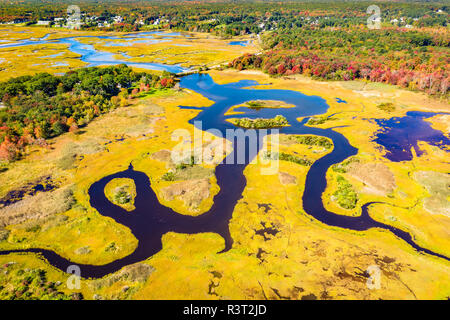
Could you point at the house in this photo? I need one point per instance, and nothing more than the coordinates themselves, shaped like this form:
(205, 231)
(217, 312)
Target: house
(118, 19)
(43, 23)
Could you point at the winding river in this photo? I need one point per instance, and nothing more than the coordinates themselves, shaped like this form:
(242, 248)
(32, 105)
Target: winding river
(151, 220)
(96, 58)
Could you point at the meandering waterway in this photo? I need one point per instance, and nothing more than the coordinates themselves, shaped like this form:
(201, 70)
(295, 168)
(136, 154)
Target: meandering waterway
(151, 220)
(96, 58)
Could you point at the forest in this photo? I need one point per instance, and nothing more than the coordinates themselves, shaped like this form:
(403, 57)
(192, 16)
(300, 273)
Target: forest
(325, 40)
(43, 106)
(413, 59)
(225, 17)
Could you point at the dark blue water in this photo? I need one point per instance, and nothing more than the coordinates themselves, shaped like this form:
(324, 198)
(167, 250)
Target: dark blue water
(151, 220)
(400, 134)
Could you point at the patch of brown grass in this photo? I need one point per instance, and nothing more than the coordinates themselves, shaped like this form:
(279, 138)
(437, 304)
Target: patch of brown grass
(39, 206)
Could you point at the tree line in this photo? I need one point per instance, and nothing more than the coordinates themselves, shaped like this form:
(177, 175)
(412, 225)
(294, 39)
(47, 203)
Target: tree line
(414, 59)
(42, 106)
(228, 17)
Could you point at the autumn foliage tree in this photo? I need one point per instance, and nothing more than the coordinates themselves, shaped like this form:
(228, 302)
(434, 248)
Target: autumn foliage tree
(416, 60)
(43, 106)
